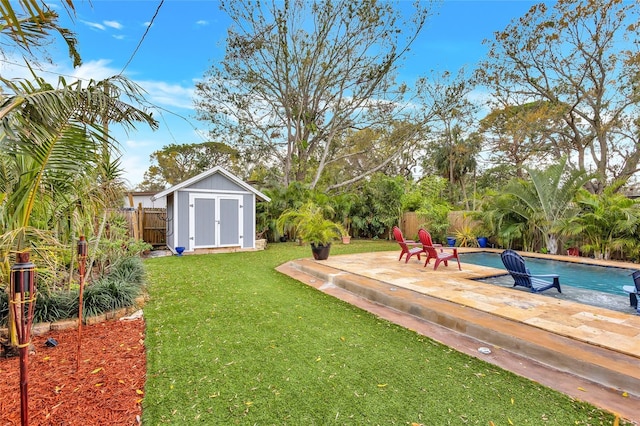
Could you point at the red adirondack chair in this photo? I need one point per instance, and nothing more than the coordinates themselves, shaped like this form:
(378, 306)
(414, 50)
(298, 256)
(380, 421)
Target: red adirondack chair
(404, 244)
(437, 251)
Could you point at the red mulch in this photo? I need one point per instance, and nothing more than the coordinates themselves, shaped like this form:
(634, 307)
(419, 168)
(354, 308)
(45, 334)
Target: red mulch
(106, 390)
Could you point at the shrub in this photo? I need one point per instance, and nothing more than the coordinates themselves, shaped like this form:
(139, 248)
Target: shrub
(108, 294)
(55, 306)
(117, 290)
(128, 269)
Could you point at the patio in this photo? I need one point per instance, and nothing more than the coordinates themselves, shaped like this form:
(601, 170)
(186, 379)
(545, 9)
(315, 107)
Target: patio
(587, 352)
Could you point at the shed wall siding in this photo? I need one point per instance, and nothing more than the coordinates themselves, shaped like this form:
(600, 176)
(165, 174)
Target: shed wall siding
(170, 221)
(183, 218)
(217, 182)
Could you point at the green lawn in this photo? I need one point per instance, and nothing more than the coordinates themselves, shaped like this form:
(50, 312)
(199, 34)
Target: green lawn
(231, 341)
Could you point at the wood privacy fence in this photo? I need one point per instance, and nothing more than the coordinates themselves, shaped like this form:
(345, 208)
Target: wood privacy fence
(411, 223)
(147, 224)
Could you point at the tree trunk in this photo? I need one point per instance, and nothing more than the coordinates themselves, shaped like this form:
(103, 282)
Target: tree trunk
(552, 244)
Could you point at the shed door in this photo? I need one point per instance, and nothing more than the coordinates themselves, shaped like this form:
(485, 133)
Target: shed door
(215, 220)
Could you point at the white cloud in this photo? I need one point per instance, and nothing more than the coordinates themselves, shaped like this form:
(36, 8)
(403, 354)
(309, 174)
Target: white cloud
(119, 37)
(94, 25)
(134, 167)
(202, 22)
(113, 24)
(169, 95)
(95, 70)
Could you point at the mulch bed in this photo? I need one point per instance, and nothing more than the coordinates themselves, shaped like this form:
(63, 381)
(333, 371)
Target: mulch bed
(107, 389)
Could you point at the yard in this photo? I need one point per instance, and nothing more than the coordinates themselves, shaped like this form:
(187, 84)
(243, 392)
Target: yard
(231, 341)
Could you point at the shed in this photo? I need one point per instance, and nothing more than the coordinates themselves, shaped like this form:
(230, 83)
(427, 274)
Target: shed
(212, 210)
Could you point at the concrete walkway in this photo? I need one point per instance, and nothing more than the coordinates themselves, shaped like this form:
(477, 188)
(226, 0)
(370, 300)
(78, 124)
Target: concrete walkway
(589, 353)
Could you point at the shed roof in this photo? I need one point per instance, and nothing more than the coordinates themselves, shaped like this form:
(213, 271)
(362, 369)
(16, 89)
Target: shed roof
(206, 174)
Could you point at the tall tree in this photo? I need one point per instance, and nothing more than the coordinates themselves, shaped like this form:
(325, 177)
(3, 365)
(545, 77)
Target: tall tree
(455, 158)
(451, 118)
(299, 74)
(581, 56)
(175, 163)
(518, 135)
(364, 152)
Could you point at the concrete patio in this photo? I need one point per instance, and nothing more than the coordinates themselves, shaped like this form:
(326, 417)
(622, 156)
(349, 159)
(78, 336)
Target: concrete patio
(589, 353)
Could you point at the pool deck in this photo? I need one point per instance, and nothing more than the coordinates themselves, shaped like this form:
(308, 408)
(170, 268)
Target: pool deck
(589, 353)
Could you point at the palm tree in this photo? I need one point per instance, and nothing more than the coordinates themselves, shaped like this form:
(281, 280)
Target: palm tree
(607, 221)
(29, 27)
(545, 199)
(50, 136)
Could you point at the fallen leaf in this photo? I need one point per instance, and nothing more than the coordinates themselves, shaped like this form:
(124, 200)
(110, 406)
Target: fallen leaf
(382, 385)
(581, 389)
(624, 394)
(512, 402)
(139, 392)
(99, 384)
(97, 370)
(510, 422)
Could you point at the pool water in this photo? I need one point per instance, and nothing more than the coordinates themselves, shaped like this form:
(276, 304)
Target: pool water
(590, 277)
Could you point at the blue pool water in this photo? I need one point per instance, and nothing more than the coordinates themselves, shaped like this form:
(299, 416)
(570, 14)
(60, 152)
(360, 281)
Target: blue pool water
(599, 278)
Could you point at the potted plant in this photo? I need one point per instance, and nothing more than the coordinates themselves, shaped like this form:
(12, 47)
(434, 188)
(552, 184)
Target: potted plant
(311, 226)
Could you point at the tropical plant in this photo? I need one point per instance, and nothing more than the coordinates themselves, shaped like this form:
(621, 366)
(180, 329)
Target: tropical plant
(282, 199)
(466, 234)
(545, 199)
(311, 225)
(606, 222)
(384, 197)
(343, 206)
(29, 26)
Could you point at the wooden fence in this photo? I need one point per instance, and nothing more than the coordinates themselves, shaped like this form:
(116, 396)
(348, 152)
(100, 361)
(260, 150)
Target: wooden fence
(148, 224)
(411, 223)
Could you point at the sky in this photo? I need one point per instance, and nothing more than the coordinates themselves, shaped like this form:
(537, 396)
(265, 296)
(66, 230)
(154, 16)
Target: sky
(188, 36)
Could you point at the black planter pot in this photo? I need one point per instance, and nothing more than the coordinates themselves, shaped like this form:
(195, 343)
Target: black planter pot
(320, 252)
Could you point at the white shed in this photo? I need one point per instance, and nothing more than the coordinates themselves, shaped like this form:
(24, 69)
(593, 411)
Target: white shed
(212, 210)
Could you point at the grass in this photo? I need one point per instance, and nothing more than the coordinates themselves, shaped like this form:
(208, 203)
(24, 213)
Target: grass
(231, 341)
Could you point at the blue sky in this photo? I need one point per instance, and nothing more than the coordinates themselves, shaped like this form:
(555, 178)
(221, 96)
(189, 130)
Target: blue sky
(188, 36)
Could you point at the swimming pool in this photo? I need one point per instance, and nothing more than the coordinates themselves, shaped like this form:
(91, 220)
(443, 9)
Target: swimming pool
(591, 277)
